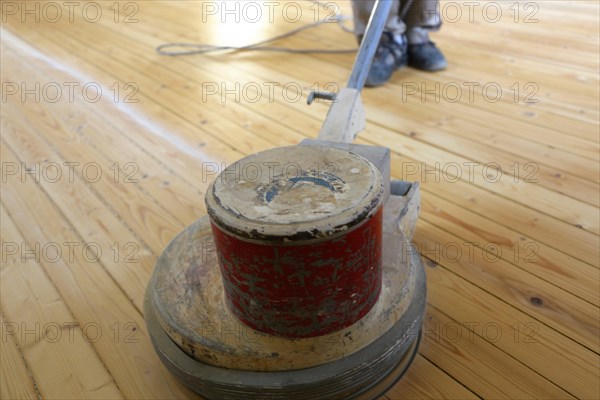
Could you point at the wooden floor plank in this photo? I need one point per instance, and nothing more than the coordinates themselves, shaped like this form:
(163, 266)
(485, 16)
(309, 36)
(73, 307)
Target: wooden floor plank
(137, 371)
(57, 349)
(532, 256)
(567, 238)
(16, 381)
(542, 301)
(417, 384)
(83, 208)
(170, 139)
(457, 348)
(570, 97)
(542, 50)
(570, 366)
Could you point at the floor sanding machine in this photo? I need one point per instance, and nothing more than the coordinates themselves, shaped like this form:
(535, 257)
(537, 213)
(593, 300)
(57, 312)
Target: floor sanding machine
(301, 282)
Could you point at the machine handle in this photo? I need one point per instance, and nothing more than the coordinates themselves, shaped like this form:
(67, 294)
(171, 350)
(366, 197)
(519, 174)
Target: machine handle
(369, 44)
(346, 116)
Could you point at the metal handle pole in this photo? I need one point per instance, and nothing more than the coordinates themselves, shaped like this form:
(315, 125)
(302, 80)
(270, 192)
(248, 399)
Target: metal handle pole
(369, 44)
(346, 115)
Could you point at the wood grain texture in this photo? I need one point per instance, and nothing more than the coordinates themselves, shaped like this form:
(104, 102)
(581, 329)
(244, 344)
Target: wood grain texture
(15, 378)
(57, 349)
(501, 376)
(498, 325)
(92, 295)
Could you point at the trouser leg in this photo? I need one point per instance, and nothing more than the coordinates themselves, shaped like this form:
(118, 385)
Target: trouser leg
(405, 40)
(422, 17)
(419, 18)
(361, 10)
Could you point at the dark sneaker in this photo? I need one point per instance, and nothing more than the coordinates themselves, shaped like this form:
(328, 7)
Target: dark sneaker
(392, 53)
(426, 57)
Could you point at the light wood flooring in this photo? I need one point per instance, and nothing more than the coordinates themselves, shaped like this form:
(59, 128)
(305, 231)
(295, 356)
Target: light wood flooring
(106, 149)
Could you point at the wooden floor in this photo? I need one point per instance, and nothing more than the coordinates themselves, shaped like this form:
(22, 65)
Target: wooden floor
(108, 147)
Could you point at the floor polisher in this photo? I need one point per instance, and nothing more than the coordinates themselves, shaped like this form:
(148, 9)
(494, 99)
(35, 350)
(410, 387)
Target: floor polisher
(301, 282)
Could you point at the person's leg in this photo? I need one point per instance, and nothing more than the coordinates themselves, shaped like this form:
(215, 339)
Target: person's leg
(422, 17)
(361, 10)
(392, 50)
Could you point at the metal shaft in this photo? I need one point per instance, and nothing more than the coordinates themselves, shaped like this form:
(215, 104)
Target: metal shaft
(346, 117)
(369, 44)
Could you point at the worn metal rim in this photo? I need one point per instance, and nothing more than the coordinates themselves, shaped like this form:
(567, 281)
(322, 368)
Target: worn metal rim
(358, 376)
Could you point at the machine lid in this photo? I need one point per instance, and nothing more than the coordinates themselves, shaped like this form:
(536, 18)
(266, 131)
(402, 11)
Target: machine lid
(295, 193)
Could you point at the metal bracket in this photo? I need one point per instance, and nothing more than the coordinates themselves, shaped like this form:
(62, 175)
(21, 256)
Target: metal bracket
(346, 118)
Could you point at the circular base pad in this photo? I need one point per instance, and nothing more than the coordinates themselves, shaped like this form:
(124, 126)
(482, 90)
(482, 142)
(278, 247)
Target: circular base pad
(188, 298)
(353, 378)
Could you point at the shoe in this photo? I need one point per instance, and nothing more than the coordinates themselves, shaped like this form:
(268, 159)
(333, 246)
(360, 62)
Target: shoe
(426, 57)
(391, 54)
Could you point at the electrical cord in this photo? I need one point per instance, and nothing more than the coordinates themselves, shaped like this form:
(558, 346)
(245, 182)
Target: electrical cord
(184, 49)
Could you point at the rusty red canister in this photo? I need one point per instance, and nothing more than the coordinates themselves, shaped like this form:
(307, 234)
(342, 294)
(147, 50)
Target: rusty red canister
(298, 234)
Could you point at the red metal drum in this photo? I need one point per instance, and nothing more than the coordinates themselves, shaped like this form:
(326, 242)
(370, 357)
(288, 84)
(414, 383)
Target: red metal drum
(298, 234)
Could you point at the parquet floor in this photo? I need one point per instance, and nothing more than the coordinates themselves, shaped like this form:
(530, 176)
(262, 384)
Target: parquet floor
(107, 149)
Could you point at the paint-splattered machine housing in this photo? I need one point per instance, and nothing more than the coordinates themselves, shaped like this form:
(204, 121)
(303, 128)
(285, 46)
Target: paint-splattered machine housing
(202, 339)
